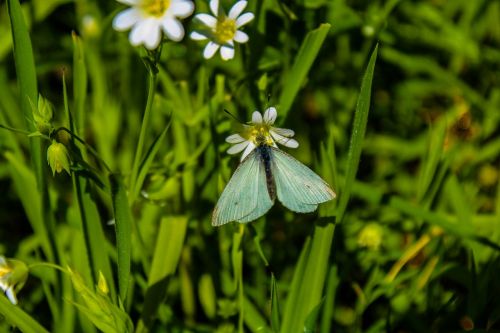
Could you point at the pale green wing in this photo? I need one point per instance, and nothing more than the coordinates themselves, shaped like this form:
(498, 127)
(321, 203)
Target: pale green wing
(298, 187)
(245, 197)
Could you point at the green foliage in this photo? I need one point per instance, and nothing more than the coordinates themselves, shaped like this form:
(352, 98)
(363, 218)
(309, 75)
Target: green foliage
(394, 103)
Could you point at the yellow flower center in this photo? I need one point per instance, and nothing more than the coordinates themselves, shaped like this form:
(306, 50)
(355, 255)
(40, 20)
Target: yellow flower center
(259, 135)
(155, 7)
(225, 30)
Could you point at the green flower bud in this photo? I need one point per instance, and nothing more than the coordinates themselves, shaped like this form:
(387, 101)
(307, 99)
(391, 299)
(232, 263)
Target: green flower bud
(42, 115)
(58, 157)
(13, 276)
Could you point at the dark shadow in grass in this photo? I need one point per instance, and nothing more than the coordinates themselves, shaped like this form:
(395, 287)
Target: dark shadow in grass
(324, 221)
(155, 295)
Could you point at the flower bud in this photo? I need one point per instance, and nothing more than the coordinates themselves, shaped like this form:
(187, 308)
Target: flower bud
(58, 157)
(42, 115)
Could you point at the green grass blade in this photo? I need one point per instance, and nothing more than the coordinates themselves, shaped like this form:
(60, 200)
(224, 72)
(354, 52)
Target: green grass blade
(165, 260)
(275, 307)
(292, 305)
(79, 83)
(25, 62)
(24, 183)
(358, 133)
(312, 318)
(148, 160)
(18, 318)
(332, 283)
(253, 318)
(123, 224)
(303, 61)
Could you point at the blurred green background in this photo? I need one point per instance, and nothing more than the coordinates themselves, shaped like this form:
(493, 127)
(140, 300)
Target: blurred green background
(417, 247)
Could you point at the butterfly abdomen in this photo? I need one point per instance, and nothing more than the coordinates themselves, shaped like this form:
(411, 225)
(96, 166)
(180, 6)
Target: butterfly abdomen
(265, 156)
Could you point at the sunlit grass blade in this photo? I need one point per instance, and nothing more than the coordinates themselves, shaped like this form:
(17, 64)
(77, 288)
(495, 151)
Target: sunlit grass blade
(253, 319)
(303, 61)
(358, 134)
(123, 224)
(312, 318)
(18, 318)
(25, 64)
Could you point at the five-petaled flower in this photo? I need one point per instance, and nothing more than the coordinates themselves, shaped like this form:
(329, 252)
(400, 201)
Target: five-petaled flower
(148, 18)
(261, 132)
(222, 30)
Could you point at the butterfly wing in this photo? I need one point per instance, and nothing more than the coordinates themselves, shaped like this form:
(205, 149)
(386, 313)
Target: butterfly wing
(245, 197)
(298, 187)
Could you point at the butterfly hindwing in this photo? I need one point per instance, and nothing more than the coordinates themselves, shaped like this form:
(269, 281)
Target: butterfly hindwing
(245, 197)
(298, 187)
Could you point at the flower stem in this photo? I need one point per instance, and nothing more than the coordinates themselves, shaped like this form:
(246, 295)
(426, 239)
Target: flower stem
(140, 143)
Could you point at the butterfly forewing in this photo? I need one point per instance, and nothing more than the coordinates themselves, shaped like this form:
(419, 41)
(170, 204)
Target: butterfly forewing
(245, 197)
(298, 187)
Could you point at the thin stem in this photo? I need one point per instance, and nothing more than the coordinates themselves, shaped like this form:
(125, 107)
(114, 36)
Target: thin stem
(89, 147)
(47, 264)
(140, 143)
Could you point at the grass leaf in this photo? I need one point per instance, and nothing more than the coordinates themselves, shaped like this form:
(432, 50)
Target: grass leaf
(123, 224)
(303, 61)
(358, 134)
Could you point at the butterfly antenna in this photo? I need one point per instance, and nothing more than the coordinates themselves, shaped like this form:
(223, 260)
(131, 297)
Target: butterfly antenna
(234, 117)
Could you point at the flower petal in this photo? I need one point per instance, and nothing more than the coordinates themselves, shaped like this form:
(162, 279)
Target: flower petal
(236, 10)
(284, 131)
(251, 146)
(182, 8)
(214, 7)
(287, 142)
(227, 52)
(238, 147)
(244, 19)
(235, 138)
(11, 295)
(195, 35)
(129, 2)
(146, 31)
(207, 20)
(240, 37)
(173, 29)
(256, 117)
(210, 50)
(270, 115)
(126, 19)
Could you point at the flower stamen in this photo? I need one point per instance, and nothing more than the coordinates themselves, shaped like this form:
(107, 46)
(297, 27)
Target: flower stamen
(155, 8)
(225, 30)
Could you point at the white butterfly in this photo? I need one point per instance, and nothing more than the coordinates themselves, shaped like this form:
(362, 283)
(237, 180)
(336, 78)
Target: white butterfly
(267, 173)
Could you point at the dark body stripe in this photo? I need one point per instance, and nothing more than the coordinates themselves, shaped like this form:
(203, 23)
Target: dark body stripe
(265, 156)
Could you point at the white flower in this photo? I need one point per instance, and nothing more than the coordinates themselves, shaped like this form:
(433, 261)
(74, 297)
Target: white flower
(222, 29)
(13, 275)
(148, 18)
(261, 132)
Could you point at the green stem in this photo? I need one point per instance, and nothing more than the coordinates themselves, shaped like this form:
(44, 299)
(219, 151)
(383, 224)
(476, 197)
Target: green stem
(140, 143)
(47, 264)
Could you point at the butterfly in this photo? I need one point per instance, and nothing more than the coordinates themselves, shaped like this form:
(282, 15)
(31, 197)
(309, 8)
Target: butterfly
(265, 174)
